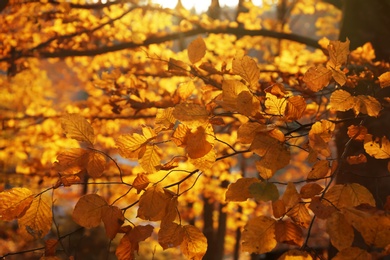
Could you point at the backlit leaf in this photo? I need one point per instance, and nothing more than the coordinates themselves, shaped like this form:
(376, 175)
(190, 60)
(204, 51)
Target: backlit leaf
(320, 209)
(153, 204)
(378, 148)
(295, 107)
(339, 77)
(320, 170)
(247, 104)
(37, 220)
(178, 67)
(300, 215)
(357, 132)
(51, 247)
(192, 115)
(199, 142)
(141, 182)
(164, 118)
(170, 235)
(130, 242)
(124, 250)
(310, 190)
(340, 231)
(113, 219)
(357, 159)
(96, 164)
(77, 127)
(367, 105)
(276, 158)
(247, 131)
(353, 253)
(316, 78)
(295, 254)
(288, 232)
(349, 195)
(196, 50)
(384, 79)
(290, 196)
(88, 210)
(264, 191)
(319, 136)
(14, 203)
(150, 159)
(239, 191)
(274, 105)
(278, 208)
(247, 68)
(258, 235)
(206, 162)
(194, 244)
(72, 161)
(341, 100)
(375, 231)
(338, 54)
(129, 145)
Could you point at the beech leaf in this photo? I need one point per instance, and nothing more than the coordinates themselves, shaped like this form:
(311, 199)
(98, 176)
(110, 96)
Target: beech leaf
(194, 244)
(349, 195)
(289, 233)
(378, 148)
(196, 50)
(113, 219)
(153, 204)
(170, 235)
(239, 191)
(247, 68)
(259, 235)
(88, 210)
(264, 191)
(316, 78)
(340, 231)
(78, 128)
(14, 203)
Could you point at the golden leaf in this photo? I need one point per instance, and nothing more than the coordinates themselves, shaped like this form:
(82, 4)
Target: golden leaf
(338, 54)
(378, 148)
(320, 170)
(141, 182)
(300, 215)
(170, 235)
(51, 247)
(72, 161)
(124, 250)
(339, 77)
(290, 196)
(239, 191)
(192, 115)
(295, 107)
(357, 159)
(165, 119)
(113, 219)
(384, 79)
(349, 195)
(340, 231)
(139, 233)
(206, 162)
(247, 103)
(129, 145)
(185, 89)
(310, 190)
(353, 253)
(14, 203)
(367, 105)
(96, 164)
(358, 133)
(199, 143)
(274, 105)
(37, 220)
(277, 90)
(153, 204)
(264, 191)
(247, 68)
(365, 53)
(278, 208)
(376, 231)
(194, 245)
(295, 254)
(247, 131)
(321, 210)
(77, 127)
(288, 232)
(259, 235)
(341, 100)
(316, 78)
(196, 50)
(319, 136)
(88, 210)
(149, 158)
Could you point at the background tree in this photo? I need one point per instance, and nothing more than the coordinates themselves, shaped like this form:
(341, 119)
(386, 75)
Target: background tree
(102, 107)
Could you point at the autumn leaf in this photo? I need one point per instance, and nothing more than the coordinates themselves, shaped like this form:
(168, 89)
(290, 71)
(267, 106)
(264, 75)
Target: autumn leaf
(310, 190)
(199, 142)
(357, 159)
(384, 80)
(239, 191)
(339, 77)
(300, 215)
(196, 50)
(295, 107)
(177, 67)
(258, 235)
(247, 131)
(378, 148)
(278, 208)
(341, 100)
(277, 90)
(295, 254)
(353, 253)
(113, 219)
(130, 241)
(194, 244)
(124, 249)
(149, 158)
(14, 203)
(319, 171)
(141, 182)
(130, 145)
(247, 68)
(349, 195)
(367, 105)
(340, 231)
(192, 115)
(274, 105)
(153, 204)
(290, 196)
(72, 161)
(319, 136)
(264, 191)
(96, 164)
(170, 235)
(51, 247)
(206, 162)
(316, 78)
(88, 210)
(77, 127)
(358, 132)
(288, 232)
(37, 220)
(338, 54)
(320, 209)
(165, 119)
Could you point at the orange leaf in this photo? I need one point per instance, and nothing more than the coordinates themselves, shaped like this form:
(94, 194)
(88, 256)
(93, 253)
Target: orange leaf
(247, 68)
(321, 210)
(239, 191)
(319, 136)
(338, 54)
(264, 191)
(295, 107)
(274, 105)
(247, 131)
(357, 132)
(367, 105)
(378, 148)
(278, 208)
(353, 253)
(51, 247)
(170, 235)
(88, 210)
(198, 142)
(296, 254)
(72, 161)
(196, 50)
(141, 182)
(113, 219)
(206, 162)
(349, 195)
(78, 128)
(130, 241)
(310, 190)
(277, 90)
(124, 250)
(194, 245)
(341, 100)
(300, 215)
(289, 233)
(153, 204)
(320, 170)
(384, 79)
(259, 235)
(178, 67)
(149, 158)
(164, 118)
(14, 203)
(96, 164)
(340, 231)
(290, 196)
(358, 159)
(192, 115)
(130, 145)
(316, 78)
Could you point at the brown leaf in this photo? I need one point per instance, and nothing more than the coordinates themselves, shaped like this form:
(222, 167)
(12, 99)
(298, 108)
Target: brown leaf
(51, 247)
(288, 232)
(247, 131)
(277, 90)
(239, 191)
(320, 170)
(14, 203)
(357, 132)
(77, 127)
(310, 190)
(170, 235)
(278, 208)
(341, 100)
(357, 159)
(300, 215)
(247, 68)
(316, 78)
(349, 195)
(96, 164)
(113, 219)
(198, 142)
(320, 135)
(338, 54)
(178, 67)
(295, 107)
(194, 244)
(353, 253)
(340, 231)
(153, 204)
(290, 196)
(321, 210)
(141, 182)
(259, 235)
(196, 50)
(72, 161)
(124, 250)
(88, 210)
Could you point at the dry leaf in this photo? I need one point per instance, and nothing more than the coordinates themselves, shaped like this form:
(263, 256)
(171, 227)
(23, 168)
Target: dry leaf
(141, 182)
(239, 191)
(247, 68)
(316, 78)
(14, 203)
(88, 210)
(194, 244)
(259, 235)
(196, 50)
(310, 190)
(340, 232)
(77, 127)
(349, 195)
(384, 79)
(289, 233)
(113, 219)
(170, 235)
(378, 148)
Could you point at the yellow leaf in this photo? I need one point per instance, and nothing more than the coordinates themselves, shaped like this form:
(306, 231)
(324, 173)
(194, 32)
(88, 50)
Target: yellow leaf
(200, 142)
(72, 161)
(165, 119)
(310, 190)
(149, 158)
(340, 231)
(129, 145)
(367, 105)
(316, 78)
(247, 104)
(300, 215)
(295, 107)
(153, 204)
(192, 115)
(88, 210)
(341, 100)
(339, 77)
(247, 68)
(37, 220)
(259, 235)
(170, 235)
(338, 54)
(239, 191)
(77, 127)
(349, 195)
(384, 79)
(206, 162)
(378, 148)
(365, 53)
(113, 219)
(295, 254)
(177, 67)
(274, 105)
(196, 50)
(141, 182)
(320, 170)
(194, 245)
(247, 131)
(185, 90)
(96, 164)
(14, 203)
(277, 90)
(358, 133)
(353, 253)
(319, 136)
(289, 233)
